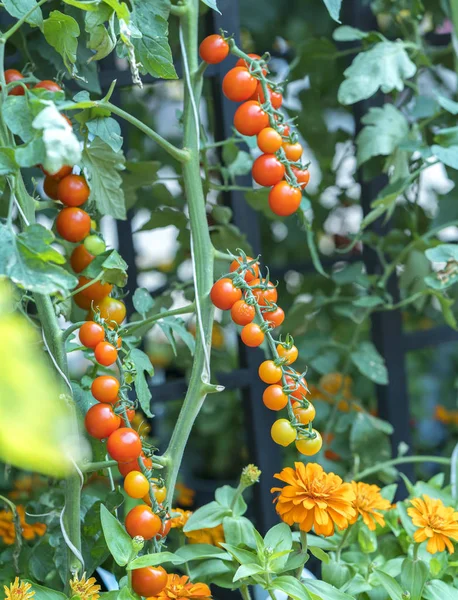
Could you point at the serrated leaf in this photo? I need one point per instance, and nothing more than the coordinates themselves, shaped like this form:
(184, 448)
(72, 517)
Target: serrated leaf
(333, 7)
(165, 216)
(61, 32)
(384, 128)
(118, 540)
(385, 66)
(104, 166)
(174, 325)
(370, 363)
(19, 8)
(449, 156)
(142, 365)
(142, 300)
(111, 264)
(18, 116)
(108, 130)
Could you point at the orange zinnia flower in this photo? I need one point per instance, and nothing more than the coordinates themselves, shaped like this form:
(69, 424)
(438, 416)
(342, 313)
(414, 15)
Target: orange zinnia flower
(179, 521)
(86, 589)
(184, 495)
(18, 590)
(213, 536)
(437, 523)
(7, 528)
(368, 503)
(314, 498)
(177, 587)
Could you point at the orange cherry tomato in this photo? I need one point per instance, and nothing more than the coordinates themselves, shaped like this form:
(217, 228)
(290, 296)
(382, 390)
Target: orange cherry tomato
(251, 273)
(213, 49)
(73, 224)
(149, 581)
(276, 98)
(14, 75)
(264, 295)
(243, 63)
(62, 172)
(125, 467)
(301, 387)
(274, 397)
(111, 310)
(242, 313)
(105, 354)
(269, 140)
(136, 485)
(290, 354)
(143, 522)
(293, 151)
(239, 84)
(160, 493)
(166, 527)
(105, 388)
(91, 334)
(96, 291)
(80, 258)
(49, 85)
(302, 176)
(269, 372)
(224, 294)
(252, 335)
(101, 421)
(124, 445)
(50, 187)
(82, 301)
(274, 317)
(73, 190)
(284, 199)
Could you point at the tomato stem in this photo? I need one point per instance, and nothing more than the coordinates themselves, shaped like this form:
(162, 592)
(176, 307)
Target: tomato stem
(134, 325)
(399, 461)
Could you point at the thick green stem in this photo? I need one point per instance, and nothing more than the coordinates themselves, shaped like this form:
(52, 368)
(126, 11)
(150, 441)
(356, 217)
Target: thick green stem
(399, 461)
(202, 259)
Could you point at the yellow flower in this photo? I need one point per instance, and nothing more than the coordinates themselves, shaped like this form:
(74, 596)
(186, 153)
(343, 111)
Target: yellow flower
(86, 589)
(437, 523)
(178, 522)
(314, 498)
(368, 503)
(177, 587)
(185, 495)
(213, 536)
(7, 528)
(19, 590)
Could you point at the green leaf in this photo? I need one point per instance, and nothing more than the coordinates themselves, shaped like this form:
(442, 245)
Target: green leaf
(142, 365)
(447, 137)
(335, 573)
(369, 439)
(384, 128)
(240, 554)
(238, 530)
(390, 584)
(291, 587)
(142, 300)
(101, 40)
(111, 264)
(17, 114)
(319, 554)
(19, 8)
(314, 251)
(370, 363)
(212, 5)
(448, 105)
(449, 156)
(385, 66)
(108, 130)
(345, 33)
(103, 166)
(201, 552)
(368, 301)
(247, 571)
(225, 495)
(367, 539)
(61, 32)
(118, 540)
(414, 574)
(82, 4)
(126, 594)
(7, 161)
(44, 593)
(279, 538)
(207, 516)
(325, 590)
(165, 216)
(241, 165)
(176, 325)
(334, 7)
(316, 541)
(153, 49)
(152, 560)
(439, 590)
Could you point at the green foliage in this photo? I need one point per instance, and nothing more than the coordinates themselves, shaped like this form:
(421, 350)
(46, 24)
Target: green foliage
(61, 32)
(21, 8)
(118, 540)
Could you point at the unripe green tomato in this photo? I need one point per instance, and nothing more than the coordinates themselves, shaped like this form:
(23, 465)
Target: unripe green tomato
(94, 244)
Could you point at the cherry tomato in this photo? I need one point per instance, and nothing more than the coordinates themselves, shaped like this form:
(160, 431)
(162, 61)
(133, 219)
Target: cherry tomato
(285, 130)
(14, 75)
(269, 140)
(224, 294)
(50, 187)
(165, 529)
(242, 313)
(73, 224)
(94, 244)
(252, 335)
(80, 258)
(274, 317)
(276, 99)
(142, 521)
(49, 85)
(290, 354)
(136, 485)
(213, 49)
(91, 334)
(263, 296)
(130, 412)
(304, 415)
(274, 397)
(132, 465)
(302, 176)
(73, 190)
(160, 493)
(239, 84)
(243, 63)
(105, 388)
(267, 170)
(284, 199)
(251, 273)
(96, 291)
(250, 118)
(124, 445)
(101, 421)
(309, 446)
(112, 310)
(269, 372)
(105, 354)
(149, 581)
(282, 432)
(60, 174)
(301, 387)
(82, 301)
(293, 151)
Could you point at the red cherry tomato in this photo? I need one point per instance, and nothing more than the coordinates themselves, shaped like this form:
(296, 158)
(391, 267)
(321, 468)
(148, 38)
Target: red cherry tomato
(82, 301)
(242, 313)
(269, 140)
(96, 291)
(252, 335)
(267, 170)
(73, 190)
(165, 529)
(213, 49)
(49, 85)
(80, 258)
(124, 445)
(251, 273)
(302, 176)
(105, 354)
(73, 224)
(274, 317)
(132, 465)
(60, 174)
(224, 294)
(301, 387)
(243, 63)
(149, 581)
(239, 84)
(250, 118)
(276, 99)
(101, 421)
(284, 199)
(142, 521)
(91, 334)
(14, 75)
(105, 388)
(50, 187)
(264, 295)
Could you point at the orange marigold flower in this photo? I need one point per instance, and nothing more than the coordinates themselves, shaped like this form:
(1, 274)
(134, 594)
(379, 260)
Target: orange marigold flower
(313, 498)
(437, 523)
(179, 587)
(18, 590)
(180, 520)
(185, 495)
(86, 589)
(368, 503)
(7, 527)
(213, 536)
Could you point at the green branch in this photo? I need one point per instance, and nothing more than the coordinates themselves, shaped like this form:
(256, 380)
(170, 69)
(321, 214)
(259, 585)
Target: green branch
(399, 461)
(135, 325)
(21, 22)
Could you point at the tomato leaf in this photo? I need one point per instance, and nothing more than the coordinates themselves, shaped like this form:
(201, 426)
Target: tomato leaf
(7, 161)
(370, 363)
(101, 40)
(17, 114)
(103, 166)
(142, 300)
(142, 365)
(19, 8)
(61, 32)
(152, 48)
(449, 156)
(108, 130)
(313, 249)
(384, 128)
(174, 325)
(333, 7)
(111, 264)
(118, 540)
(212, 5)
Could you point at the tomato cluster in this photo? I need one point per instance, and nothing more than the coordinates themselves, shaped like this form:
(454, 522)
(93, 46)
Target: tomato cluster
(252, 298)
(279, 166)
